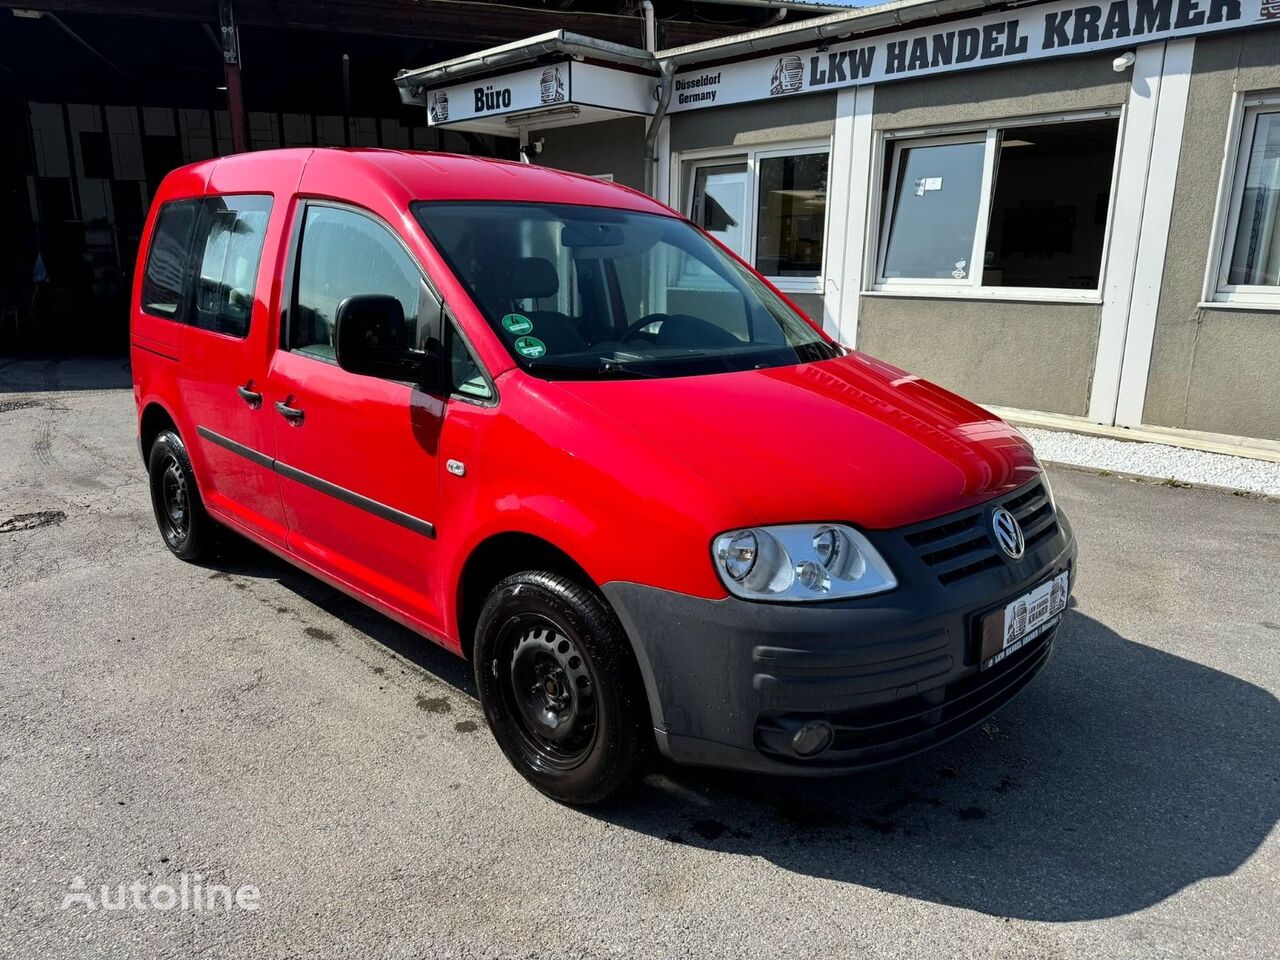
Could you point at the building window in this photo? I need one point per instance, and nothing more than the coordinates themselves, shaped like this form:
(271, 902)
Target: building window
(770, 208)
(1249, 261)
(1011, 208)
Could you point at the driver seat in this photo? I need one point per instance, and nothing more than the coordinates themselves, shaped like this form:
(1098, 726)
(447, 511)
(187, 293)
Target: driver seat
(535, 278)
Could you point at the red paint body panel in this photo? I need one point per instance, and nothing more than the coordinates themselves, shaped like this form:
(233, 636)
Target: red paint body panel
(632, 479)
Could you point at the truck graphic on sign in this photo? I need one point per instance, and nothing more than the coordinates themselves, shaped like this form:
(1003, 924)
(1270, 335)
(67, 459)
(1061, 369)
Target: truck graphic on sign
(788, 76)
(552, 87)
(438, 109)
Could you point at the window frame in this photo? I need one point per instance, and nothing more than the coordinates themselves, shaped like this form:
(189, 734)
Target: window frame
(449, 325)
(751, 156)
(972, 287)
(1241, 128)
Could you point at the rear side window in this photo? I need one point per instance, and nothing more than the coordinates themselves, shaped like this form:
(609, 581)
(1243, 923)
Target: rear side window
(203, 265)
(232, 230)
(347, 254)
(164, 284)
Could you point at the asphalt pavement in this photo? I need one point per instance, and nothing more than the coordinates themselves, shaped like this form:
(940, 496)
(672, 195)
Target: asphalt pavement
(241, 724)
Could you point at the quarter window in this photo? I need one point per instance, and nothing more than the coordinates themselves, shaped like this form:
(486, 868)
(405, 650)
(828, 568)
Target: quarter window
(163, 284)
(770, 208)
(1249, 267)
(203, 265)
(346, 254)
(1015, 206)
(465, 376)
(233, 229)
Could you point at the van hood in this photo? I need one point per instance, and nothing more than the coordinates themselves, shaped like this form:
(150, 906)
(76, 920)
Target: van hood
(851, 439)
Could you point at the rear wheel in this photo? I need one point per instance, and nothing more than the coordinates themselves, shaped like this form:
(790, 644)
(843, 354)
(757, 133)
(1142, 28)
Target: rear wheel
(187, 529)
(560, 687)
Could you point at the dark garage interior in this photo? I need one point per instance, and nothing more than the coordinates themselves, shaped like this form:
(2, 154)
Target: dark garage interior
(99, 100)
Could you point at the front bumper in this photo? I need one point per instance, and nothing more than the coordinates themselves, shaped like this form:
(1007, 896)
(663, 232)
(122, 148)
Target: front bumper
(731, 682)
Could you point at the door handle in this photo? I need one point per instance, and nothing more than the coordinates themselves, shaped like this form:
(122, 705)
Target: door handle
(292, 414)
(251, 397)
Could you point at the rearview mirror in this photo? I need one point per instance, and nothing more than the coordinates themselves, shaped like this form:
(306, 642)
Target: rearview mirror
(369, 339)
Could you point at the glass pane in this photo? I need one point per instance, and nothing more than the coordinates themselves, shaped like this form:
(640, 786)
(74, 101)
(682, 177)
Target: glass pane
(233, 230)
(167, 260)
(1049, 209)
(792, 215)
(635, 314)
(346, 254)
(935, 211)
(465, 375)
(1255, 258)
(720, 204)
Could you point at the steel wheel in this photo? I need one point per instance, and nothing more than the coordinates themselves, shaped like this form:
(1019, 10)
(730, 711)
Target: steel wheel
(550, 690)
(173, 493)
(187, 529)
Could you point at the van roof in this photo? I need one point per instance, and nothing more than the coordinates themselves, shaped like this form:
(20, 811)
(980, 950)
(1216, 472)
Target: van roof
(409, 175)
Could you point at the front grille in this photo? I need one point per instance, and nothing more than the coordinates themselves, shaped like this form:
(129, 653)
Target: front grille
(960, 546)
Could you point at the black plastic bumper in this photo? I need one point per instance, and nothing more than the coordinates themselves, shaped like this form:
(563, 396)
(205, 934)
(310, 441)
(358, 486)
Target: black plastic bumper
(730, 682)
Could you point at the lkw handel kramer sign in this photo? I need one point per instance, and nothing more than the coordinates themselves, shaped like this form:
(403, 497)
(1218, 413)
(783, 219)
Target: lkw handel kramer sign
(1005, 37)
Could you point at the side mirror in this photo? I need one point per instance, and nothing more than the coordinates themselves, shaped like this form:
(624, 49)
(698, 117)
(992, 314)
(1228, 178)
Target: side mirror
(369, 340)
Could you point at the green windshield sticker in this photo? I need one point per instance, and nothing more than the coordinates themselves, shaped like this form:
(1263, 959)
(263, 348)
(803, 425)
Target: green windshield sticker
(531, 347)
(517, 323)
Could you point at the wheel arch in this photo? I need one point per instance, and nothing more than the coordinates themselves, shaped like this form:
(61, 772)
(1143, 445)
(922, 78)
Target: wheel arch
(500, 555)
(155, 417)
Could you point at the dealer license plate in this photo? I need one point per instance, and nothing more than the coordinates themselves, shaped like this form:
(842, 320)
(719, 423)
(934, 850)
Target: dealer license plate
(1005, 632)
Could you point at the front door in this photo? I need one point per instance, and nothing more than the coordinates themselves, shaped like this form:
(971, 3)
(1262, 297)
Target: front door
(228, 339)
(357, 455)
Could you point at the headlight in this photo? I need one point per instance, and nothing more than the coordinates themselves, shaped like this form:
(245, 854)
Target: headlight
(1048, 489)
(802, 561)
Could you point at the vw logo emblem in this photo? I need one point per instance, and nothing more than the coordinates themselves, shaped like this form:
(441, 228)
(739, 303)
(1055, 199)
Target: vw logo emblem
(1007, 532)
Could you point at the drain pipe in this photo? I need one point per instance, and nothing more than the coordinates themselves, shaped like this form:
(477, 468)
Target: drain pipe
(650, 26)
(667, 70)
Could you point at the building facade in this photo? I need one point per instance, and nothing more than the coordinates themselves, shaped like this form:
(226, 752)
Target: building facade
(1069, 212)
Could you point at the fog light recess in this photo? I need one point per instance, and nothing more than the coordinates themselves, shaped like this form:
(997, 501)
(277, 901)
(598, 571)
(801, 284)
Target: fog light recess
(811, 739)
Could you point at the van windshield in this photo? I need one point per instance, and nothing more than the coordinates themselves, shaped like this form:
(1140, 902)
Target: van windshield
(598, 293)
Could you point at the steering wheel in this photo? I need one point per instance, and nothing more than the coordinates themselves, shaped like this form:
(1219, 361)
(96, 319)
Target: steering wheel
(635, 328)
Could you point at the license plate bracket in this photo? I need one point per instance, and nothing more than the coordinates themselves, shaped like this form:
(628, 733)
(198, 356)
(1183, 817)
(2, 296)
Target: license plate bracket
(1006, 630)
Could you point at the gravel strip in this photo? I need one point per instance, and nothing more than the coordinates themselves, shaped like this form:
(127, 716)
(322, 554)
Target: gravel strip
(1156, 460)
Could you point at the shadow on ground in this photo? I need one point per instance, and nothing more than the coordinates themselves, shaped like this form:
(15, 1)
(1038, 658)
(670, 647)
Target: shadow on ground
(1121, 776)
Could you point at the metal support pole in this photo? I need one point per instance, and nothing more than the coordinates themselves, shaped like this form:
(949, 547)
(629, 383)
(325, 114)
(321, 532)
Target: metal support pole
(346, 99)
(231, 70)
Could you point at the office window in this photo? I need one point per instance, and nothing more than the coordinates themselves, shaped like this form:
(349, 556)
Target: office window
(162, 286)
(931, 229)
(232, 230)
(1008, 207)
(791, 215)
(346, 254)
(767, 206)
(720, 204)
(1249, 261)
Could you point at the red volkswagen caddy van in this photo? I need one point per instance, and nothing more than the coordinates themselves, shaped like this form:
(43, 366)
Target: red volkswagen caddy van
(551, 425)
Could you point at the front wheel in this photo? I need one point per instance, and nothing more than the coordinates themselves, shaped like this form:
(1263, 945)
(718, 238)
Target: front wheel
(560, 687)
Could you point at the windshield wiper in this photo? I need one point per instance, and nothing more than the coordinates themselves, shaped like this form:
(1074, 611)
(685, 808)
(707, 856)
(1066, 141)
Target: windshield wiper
(603, 368)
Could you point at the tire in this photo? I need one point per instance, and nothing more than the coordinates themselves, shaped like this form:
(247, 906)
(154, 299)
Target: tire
(188, 531)
(560, 688)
